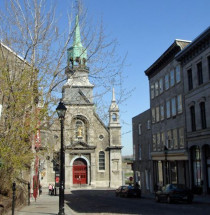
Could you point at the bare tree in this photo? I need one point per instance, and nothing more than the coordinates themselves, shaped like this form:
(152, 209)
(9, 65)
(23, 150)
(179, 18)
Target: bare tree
(31, 28)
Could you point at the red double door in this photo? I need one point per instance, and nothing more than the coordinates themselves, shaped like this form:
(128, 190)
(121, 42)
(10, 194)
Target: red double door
(79, 171)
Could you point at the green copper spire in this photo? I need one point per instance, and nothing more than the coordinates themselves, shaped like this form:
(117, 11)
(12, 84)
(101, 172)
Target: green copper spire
(77, 53)
(77, 38)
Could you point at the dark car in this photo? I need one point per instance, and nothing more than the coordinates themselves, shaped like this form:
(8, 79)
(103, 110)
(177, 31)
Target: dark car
(174, 192)
(128, 191)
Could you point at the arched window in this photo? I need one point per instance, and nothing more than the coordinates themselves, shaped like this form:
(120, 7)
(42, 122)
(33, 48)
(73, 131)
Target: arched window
(114, 117)
(101, 160)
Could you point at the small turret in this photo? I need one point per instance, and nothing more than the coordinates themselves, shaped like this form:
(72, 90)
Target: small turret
(77, 53)
(114, 112)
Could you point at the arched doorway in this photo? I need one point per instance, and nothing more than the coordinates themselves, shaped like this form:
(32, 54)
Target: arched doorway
(80, 171)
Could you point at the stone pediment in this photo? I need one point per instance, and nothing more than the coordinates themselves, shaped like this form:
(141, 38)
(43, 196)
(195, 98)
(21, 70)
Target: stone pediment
(80, 145)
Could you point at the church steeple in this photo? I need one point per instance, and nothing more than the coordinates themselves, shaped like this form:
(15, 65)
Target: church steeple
(114, 112)
(77, 53)
(113, 107)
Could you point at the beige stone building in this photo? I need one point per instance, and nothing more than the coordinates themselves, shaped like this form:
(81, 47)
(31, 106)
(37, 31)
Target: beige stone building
(92, 149)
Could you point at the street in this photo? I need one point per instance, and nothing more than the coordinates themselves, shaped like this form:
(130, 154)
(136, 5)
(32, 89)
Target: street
(105, 201)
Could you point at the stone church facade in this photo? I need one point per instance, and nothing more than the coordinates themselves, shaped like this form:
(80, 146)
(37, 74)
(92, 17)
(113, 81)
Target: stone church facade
(92, 150)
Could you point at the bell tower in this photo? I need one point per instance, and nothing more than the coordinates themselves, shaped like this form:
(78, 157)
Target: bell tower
(115, 143)
(114, 121)
(77, 90)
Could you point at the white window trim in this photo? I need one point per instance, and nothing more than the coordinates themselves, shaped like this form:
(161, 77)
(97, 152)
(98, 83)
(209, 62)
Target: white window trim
(161, 86)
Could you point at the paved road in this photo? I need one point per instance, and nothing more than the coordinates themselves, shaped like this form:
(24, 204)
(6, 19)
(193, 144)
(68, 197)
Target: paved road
(81, 202)
(105, 202)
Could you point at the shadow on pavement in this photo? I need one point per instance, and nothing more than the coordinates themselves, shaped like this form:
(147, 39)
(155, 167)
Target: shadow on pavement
(96, 201)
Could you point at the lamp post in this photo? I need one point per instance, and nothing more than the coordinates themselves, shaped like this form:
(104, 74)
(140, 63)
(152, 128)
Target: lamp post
(61, 110)
(166, 167)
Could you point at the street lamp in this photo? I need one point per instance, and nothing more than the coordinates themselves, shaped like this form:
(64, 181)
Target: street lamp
(166, 167)
(61, 110)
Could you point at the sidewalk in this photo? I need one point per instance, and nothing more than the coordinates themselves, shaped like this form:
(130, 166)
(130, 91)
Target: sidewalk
(44, 205)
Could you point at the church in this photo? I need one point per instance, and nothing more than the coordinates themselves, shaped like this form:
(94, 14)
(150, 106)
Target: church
(92, 149)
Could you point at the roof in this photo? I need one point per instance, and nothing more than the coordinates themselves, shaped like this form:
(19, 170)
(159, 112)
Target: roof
(13, 52)
(199, 40)
(167, 56)
(144, 113)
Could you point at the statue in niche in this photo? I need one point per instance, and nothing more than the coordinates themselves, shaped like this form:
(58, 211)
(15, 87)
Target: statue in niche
(79, 131)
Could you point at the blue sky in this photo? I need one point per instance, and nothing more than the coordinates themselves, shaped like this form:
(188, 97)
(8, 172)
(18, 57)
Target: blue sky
(145, 29)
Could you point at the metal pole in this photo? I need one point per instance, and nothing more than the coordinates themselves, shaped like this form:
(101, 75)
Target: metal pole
(61, 188)
(13, 197)
(29, 188)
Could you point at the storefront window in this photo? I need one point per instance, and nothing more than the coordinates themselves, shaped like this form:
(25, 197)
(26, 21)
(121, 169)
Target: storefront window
(196, 156)
(173, 170)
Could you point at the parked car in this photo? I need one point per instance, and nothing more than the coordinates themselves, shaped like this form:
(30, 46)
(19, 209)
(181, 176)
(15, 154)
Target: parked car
(174, 192)
(128, 191)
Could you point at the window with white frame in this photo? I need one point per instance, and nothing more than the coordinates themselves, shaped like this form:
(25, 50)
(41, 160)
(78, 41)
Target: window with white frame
(175, 141)
(139, 152)
(173, 106)
(157, 114)
(153, 115)
(181, 137)
(139, 129)
(179, 103)
(178, 75)
(161, 85)
(168, 109)
(152, 91)
(172, 82)
(101, 160)
(169, 139)
(166, 81)
(162, 112)
(156, 89)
